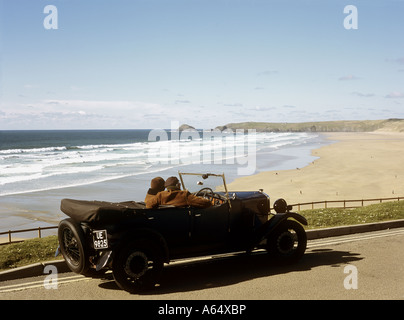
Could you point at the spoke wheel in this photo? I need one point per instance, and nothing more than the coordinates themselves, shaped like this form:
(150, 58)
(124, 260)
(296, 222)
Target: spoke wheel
(73, 246)
(138, 266)
(288, 242)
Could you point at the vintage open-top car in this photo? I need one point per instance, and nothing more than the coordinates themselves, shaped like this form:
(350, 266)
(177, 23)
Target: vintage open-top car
(135, 242)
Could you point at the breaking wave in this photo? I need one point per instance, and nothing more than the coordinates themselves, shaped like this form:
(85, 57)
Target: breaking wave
(55, 165)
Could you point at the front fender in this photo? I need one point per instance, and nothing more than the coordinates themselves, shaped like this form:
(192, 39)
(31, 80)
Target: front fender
(279, 217)
(267, 228)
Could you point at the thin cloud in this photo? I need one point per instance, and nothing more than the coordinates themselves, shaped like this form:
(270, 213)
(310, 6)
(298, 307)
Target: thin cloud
(233, 104)
(395, 95)
(259, 108)
(182, 101)
(398, 60)
(78, 114)
(267, 73)
(363, 95)
(348, 78)
(31, 86)
(154, 116)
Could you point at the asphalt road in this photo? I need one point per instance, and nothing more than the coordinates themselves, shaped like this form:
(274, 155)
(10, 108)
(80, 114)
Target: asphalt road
(358, 266)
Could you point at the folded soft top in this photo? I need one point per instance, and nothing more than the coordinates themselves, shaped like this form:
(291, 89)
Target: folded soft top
(99, 211)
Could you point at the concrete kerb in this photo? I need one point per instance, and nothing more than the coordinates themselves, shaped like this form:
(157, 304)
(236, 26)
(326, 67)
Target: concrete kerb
(33, 270)
(37, 269)
(360, 228)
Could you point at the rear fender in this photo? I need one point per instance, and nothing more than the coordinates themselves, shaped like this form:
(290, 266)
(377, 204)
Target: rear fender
(148, 234)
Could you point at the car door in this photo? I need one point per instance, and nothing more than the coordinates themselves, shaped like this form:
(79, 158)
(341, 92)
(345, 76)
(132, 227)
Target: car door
(210, 226)
(173, 224)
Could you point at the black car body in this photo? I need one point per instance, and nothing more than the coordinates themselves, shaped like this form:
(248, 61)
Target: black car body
(135, 242)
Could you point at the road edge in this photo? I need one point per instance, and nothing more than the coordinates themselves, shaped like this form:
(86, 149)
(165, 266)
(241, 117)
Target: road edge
(358, 228)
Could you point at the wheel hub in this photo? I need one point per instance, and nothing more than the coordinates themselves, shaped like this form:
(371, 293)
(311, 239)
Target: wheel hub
(285, 242)
(136, 265)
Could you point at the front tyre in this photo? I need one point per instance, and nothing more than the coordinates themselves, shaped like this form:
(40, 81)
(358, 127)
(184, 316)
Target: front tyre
(288, 242)
(138, 266)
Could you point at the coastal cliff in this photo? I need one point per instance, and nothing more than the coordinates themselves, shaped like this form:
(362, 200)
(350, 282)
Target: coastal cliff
(392, 125)
(185, 127)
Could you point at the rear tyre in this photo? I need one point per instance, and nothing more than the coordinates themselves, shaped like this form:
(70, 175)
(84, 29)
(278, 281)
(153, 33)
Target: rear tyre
(288, 242)
(138, 265)
(72, 245)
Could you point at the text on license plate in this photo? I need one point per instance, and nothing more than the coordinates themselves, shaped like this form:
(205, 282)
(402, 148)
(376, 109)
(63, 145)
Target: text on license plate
(100, 239)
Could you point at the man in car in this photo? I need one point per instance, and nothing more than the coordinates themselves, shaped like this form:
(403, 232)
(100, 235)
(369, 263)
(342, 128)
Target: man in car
(177, 197)
(156, 185)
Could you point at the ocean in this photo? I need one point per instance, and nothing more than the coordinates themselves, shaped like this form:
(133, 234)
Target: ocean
(38, 168)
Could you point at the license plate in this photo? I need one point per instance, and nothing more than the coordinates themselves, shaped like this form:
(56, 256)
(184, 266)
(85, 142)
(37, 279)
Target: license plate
(100, 239)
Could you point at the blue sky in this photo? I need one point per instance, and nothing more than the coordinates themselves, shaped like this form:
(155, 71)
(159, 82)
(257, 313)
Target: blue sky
(144, 63)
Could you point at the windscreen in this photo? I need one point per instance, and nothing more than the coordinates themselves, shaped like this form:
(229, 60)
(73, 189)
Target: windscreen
(194, 182)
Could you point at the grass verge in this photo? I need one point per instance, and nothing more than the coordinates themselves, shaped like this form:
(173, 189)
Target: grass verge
(29, 251)
(334, 217)
(39, 250)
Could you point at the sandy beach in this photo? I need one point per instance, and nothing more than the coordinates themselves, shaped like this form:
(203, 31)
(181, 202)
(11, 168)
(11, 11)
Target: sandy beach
(356, 166)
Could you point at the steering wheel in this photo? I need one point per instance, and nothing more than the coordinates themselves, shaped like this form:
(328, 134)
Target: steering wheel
(206, 193)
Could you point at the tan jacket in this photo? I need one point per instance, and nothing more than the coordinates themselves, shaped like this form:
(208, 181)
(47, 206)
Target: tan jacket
(151, 194)
(177, 198)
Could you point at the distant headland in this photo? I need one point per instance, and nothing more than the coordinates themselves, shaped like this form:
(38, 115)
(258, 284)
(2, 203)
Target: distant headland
(392, 125)
(185, 127)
